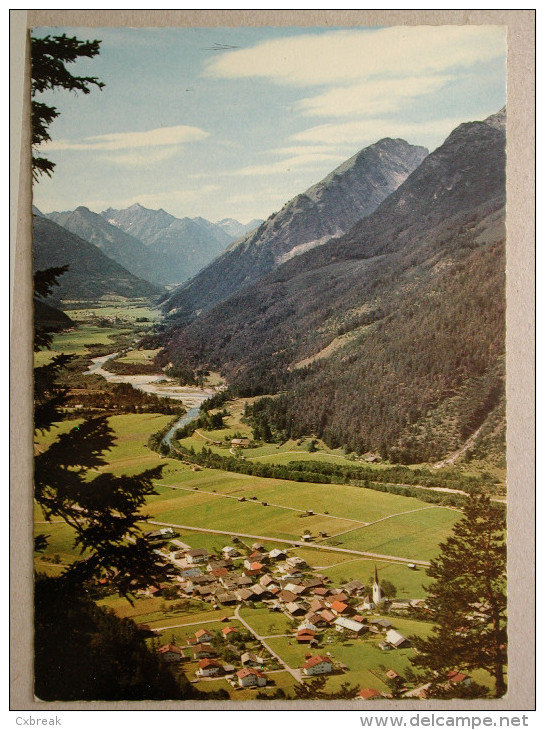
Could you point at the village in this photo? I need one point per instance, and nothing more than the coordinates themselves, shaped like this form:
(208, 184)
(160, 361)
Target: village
(278, 608)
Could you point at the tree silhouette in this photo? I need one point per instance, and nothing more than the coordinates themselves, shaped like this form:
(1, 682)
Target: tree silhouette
(49, 57)
(467, 599)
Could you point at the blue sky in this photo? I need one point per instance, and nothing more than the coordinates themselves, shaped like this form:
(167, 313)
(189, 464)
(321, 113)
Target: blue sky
(233, 122)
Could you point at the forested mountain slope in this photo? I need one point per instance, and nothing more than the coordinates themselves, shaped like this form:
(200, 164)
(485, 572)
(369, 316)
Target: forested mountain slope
(330, 208)
(391, 337)
(127, 250)
(91, 274)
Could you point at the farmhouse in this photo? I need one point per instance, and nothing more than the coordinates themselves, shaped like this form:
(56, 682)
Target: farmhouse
(230, 552)
(260, 592)
(339, 596)
(307, 625)
(196, 555)
(367, 604)
(306, 636)
(171, 653)
(315, 619)
(327, 616)
(295, 562)
(253, 568)
(345, 624)
(277, 554)
(318, 665)
(249, 677)
(245, 594)
(340, 609)
(241, 443)
(190, 572)
(228, 630)
(286, 596)
(203, 637)
(381, 623)
(226, 597)
(354, 587)
(396, 639)
(217, 564)
(250, 659)
(296, 609)
(204, 651)
(209, 668)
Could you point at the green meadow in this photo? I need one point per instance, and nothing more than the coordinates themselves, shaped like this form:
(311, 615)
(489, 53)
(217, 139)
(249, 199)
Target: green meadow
(267, 623)
(413, 535)
(232, 502)
(78, 341)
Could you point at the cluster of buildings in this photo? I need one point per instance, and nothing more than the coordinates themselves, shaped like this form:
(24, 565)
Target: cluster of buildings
(244, 575)
(318, 610)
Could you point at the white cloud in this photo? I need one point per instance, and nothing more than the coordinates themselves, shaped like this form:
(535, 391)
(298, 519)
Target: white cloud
(368, 131)
(352, 56)
(290, 163)
(141, 157)
(162, 136)
(371, 97)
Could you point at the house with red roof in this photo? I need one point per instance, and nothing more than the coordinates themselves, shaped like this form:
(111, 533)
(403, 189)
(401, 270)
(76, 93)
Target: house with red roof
(306, 636)
(203, 636)
(340, 609)
(209, 668)
(318, 665)
(228, 630)
(368, 693)
(250, 677)
(454, 677)
(171, 653)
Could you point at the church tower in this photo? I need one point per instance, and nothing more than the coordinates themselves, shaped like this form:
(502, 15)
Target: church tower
(377, 593)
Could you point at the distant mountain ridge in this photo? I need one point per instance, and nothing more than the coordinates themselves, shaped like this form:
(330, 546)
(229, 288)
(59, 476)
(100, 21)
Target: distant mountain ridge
(330, 208)
(181, 246)
(235, 229)
(390, 338)
(91, 273)
(118, 245)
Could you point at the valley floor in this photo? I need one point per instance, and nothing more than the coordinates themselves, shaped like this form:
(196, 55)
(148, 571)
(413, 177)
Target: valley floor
(326, 541)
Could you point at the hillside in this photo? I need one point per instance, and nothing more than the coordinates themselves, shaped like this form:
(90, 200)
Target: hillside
(91, 275)
(50, 319)
(330, 208)
(390, 338)
(115, 243)
(180, 246)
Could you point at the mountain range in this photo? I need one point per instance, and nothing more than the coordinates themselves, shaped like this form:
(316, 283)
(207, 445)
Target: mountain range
(326, 210)
(180, 247)
(91, 274)
(387, 338)
(152, 244)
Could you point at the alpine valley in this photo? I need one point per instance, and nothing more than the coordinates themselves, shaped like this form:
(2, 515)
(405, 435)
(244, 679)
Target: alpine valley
(372, 306)
(300, 418)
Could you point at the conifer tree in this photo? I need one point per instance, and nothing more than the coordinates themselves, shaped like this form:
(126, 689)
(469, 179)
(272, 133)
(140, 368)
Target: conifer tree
(83, 651)
(49, 57)
(467, 599)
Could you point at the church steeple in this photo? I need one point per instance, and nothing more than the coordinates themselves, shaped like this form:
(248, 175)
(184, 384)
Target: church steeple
(377, 593)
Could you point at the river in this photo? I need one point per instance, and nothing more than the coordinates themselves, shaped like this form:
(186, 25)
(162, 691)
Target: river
(160, 385)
